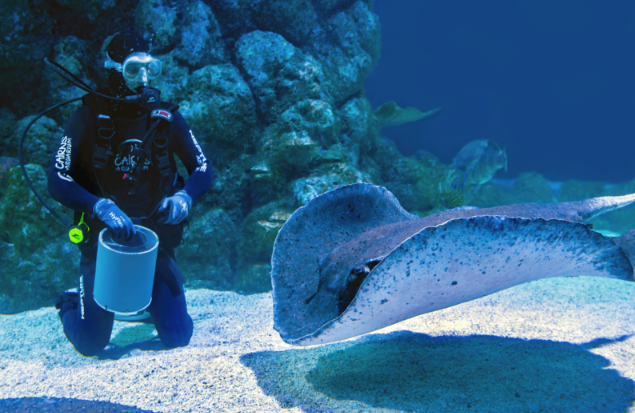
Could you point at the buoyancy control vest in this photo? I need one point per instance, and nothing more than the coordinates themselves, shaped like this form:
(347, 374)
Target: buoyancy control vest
(134, 173)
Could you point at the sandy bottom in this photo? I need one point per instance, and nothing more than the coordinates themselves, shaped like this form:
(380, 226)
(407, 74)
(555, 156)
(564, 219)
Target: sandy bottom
(560, 345)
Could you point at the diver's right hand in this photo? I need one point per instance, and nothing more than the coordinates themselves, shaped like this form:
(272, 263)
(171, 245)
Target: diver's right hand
(114, 218)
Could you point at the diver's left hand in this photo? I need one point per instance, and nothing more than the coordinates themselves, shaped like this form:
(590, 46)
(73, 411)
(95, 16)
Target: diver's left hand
(177, 207)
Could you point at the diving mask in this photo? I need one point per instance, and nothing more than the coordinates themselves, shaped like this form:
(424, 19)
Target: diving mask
(135, 64)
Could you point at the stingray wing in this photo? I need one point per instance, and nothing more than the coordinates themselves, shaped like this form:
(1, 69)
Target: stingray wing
(464, 259)
(326, 224)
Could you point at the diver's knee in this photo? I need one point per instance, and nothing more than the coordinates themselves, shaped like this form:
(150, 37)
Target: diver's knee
(91, 346)
(176, 340)
(87, 341)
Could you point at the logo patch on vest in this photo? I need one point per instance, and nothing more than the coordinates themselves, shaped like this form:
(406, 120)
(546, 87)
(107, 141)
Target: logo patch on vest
(161, 113)
(127, 158)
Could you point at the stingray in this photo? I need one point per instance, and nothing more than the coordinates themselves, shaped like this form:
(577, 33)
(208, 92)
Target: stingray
(390, 114)
(353, 261)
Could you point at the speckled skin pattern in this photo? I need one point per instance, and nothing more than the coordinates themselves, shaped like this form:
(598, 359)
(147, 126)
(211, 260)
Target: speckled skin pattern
(422, 258)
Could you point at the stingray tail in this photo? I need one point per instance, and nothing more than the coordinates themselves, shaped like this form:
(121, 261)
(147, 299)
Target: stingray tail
(593, 207)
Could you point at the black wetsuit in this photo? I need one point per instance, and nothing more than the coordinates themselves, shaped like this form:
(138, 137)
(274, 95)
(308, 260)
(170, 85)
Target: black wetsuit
(77, 184)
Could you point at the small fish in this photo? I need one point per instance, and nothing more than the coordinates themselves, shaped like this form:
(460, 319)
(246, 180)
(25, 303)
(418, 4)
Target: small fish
(477, 162)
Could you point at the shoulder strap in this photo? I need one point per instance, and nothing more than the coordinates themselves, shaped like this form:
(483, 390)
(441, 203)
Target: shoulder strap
(105, 130)
(161, 144)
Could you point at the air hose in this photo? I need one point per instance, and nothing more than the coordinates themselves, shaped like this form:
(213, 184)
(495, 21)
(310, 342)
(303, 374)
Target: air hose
(75, 81)
(60, 218)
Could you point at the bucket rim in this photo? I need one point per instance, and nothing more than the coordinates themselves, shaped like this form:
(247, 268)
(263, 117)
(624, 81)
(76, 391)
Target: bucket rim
(123, 312)
(155, 246)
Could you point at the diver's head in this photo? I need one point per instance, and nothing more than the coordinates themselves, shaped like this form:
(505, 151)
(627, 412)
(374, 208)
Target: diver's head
(129, 62)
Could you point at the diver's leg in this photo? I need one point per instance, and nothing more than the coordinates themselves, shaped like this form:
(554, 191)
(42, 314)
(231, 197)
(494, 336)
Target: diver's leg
(88, 326)
(169, 313)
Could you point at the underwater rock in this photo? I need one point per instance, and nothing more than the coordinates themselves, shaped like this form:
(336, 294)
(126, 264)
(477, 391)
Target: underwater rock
(173, 83)
(6, 163)
(160, 23)
(37, 258)
(348, 50)
(207, 256)
(27, 38)
(532, 187)
(41, 141)
(294, 20)
(337, 153)
(220, 107)
(353, 260)
(279, 74)
(289, 149)
(306, 189)
(576, 190)
(7, 126)
(493, 194)
(390, 114)
(236, 17)
(70, 52)
(200, 42)
(258, 234)
(528, 187)
(91, 10)
(329, 7)
(413, 182)
(230, 188)
(253, 278)
(265, 184)
(360, 129)
(295, 139)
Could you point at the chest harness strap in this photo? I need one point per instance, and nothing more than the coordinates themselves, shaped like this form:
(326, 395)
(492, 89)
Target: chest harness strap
(160, 142)
(158, 135)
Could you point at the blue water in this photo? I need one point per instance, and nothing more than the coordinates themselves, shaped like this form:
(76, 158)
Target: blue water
(552, 81)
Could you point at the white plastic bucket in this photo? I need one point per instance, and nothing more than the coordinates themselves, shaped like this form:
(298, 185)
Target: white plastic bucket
(125, 271)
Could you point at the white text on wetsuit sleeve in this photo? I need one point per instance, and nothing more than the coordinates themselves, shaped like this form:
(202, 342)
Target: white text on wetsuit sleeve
(63, 159)
(200, 157)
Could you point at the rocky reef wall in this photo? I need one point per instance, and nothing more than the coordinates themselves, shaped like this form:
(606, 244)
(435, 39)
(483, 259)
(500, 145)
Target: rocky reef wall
(273, 90)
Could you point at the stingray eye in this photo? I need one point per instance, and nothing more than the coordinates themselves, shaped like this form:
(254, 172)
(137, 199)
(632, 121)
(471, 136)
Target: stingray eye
(358, 270)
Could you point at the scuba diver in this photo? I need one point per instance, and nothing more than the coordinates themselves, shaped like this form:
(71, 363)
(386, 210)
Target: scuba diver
(115, 168)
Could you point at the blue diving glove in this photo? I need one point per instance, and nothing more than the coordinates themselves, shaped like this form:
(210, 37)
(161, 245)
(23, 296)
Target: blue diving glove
(114, 218)
(176, 207)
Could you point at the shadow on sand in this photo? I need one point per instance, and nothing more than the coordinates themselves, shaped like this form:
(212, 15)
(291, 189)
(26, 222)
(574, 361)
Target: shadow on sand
(63, 405)
(139, 336)
(405, 371)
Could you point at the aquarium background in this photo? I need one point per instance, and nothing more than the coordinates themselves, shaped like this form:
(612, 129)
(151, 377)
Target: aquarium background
(290, 99)
(550, 81)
